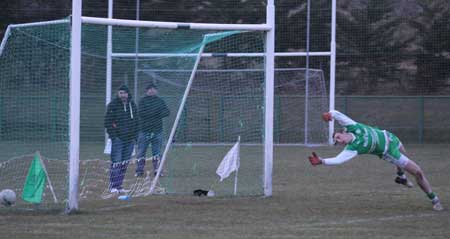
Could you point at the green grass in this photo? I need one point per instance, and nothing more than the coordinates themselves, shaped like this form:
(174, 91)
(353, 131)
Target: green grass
(356, 200)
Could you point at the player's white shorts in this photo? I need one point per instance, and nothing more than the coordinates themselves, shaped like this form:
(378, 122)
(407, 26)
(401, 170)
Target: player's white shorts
(400, 162)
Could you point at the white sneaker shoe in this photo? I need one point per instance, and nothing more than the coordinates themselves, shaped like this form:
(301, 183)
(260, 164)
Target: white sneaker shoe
(119, 190)
(437, 206)
(409, 184)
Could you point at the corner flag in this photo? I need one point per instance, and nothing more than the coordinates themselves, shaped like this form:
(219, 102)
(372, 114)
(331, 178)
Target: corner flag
(230, 162)
(35, 182)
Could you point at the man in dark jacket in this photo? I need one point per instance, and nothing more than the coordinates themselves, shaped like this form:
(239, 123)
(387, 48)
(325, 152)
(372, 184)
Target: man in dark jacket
(121, 123)
(152, 109)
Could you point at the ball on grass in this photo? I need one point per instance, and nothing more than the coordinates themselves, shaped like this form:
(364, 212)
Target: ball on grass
(7, 197)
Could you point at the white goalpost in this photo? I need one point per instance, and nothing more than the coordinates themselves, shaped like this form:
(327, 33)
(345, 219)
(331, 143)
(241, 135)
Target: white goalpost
(77, 21)
(75, 92)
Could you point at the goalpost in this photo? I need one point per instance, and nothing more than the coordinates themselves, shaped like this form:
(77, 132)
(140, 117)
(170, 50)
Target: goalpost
(77, 21)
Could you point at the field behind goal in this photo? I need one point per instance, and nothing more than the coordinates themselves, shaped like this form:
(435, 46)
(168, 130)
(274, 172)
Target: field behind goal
(351, 201)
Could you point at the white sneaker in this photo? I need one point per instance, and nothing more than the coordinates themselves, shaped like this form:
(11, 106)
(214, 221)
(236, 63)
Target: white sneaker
(119, 190)
(409, 184)
(437, 206)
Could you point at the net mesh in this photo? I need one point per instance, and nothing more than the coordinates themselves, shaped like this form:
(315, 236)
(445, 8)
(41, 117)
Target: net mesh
(225, 101)
(34, 115)
(301, 97)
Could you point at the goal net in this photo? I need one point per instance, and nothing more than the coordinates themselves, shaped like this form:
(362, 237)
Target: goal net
(214, 93)
(301, 98)
(212, 83)
(34, 80)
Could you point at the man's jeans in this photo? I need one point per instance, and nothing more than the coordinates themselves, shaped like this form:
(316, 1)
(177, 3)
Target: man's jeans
(144, 140)
(120, 156)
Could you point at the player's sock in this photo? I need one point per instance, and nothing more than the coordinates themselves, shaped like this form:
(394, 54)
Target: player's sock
(401, 174)
(431, 196)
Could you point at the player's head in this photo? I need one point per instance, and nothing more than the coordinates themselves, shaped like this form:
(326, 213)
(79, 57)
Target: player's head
(342, 138)
(151, 89)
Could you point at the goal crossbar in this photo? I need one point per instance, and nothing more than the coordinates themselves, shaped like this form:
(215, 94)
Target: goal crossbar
(278, 54)
(175, 25)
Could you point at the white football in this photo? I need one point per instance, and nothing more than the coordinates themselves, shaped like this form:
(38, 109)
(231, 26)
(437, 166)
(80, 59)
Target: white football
(7, 197)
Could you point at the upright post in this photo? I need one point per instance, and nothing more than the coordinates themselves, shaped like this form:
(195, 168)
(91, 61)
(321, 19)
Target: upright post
(109, 61)
(237, 168)
(109, 55)
(75, 69)
(269, 98)
(332, 68)
(136, 51)
(308, 22)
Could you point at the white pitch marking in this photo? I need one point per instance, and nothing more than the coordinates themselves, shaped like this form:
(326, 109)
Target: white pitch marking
(362, 220)
(114, 208)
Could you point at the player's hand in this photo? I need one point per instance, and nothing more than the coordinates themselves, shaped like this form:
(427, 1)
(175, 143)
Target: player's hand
(314, 159)
(327, 116)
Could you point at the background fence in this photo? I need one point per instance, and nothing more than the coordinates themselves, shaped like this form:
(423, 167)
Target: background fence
(415, 119)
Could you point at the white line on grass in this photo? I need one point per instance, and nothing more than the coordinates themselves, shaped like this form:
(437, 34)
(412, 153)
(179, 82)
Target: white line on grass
(363, 220)
(114, 208)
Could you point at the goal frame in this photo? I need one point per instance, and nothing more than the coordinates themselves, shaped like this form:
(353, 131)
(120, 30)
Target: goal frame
(269, 29)
(75, 86)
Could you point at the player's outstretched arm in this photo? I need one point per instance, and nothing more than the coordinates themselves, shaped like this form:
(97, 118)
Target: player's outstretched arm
(341, 158)
(341, 118)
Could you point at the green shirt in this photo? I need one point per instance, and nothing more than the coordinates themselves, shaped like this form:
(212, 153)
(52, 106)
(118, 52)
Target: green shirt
(367, 139)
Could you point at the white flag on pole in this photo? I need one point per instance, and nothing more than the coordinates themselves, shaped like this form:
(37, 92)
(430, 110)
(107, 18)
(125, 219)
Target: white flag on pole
(230, 163)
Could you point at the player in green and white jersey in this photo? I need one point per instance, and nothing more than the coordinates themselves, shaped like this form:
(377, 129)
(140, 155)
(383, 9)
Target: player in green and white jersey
(363, 139)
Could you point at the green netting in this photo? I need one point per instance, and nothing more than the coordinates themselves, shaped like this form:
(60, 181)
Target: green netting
(34, 107)
(225, 101)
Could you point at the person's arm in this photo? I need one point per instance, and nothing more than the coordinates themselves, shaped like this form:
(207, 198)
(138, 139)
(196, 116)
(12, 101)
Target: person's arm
(135, 121)
(341, 158)
(109, 121)
(164, 109)
(142, 108)
(341, 118)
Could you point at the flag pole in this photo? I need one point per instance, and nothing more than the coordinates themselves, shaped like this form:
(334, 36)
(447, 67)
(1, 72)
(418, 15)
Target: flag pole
(237, 168)
(48, 178)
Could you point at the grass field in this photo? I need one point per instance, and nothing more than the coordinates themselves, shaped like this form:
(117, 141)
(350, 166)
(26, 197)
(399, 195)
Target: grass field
(356, 200)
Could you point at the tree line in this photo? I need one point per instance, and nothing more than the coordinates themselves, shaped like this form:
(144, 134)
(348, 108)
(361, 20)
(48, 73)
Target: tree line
(383, 47)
